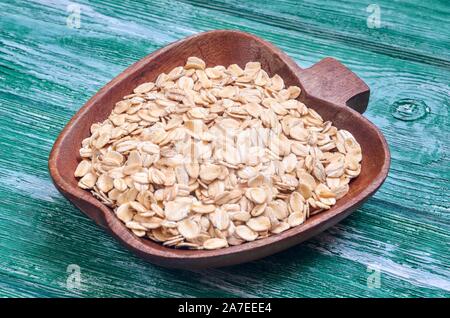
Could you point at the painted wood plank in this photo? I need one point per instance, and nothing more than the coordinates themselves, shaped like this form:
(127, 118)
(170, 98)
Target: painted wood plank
(48, 71)
(406, 30)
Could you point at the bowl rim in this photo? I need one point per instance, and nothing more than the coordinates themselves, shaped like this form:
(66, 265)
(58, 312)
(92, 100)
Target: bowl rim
(136, 243)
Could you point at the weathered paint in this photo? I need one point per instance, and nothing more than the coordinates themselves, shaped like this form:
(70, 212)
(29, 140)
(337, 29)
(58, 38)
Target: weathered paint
(48, 71)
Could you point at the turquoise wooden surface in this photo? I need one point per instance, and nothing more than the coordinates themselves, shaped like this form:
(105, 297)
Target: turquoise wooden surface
(49, 70)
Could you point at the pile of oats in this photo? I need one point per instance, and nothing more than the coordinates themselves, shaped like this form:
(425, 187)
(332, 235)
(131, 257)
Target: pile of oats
(205, 158)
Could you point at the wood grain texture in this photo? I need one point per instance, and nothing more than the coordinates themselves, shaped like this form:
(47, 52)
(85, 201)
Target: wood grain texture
(47, 71)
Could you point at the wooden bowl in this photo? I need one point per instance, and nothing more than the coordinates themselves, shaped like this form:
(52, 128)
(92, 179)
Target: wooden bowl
(328, 87)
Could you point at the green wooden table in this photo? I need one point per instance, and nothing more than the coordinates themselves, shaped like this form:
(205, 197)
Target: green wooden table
(396, 245)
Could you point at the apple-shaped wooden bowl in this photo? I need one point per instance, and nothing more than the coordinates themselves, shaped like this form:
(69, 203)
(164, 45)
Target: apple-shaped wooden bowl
(328, 87)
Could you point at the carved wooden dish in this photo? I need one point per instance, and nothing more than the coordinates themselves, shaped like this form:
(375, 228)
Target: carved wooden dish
(328, 87)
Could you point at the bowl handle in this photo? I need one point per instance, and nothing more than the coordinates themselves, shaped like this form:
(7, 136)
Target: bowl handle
(331, 81)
